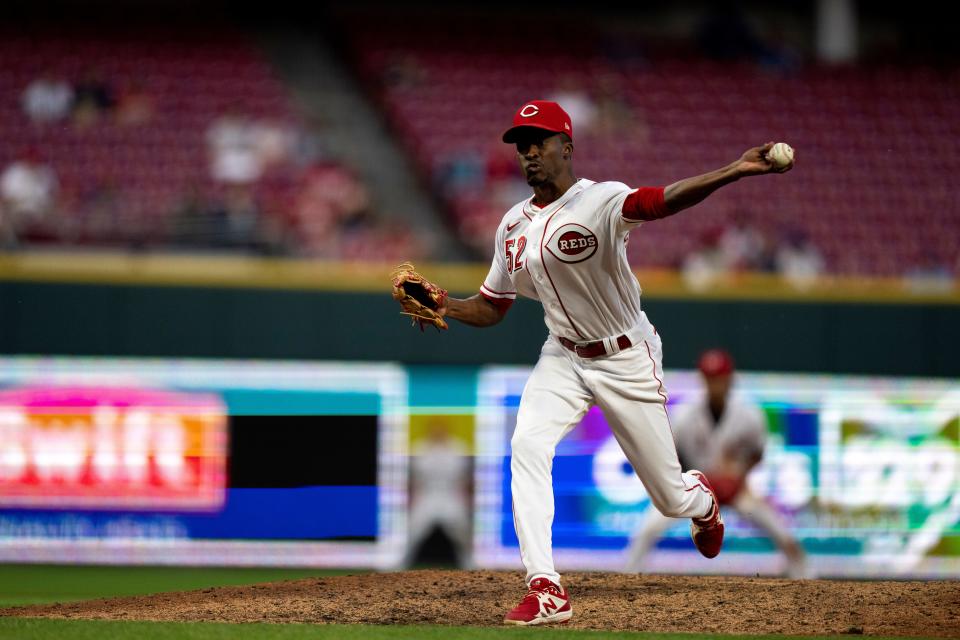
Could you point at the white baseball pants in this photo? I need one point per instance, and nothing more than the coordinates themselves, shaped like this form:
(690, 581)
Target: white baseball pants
(452, 516)
(628, 389)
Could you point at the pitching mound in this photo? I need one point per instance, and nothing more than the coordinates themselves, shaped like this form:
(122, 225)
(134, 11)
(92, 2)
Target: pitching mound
(600, 601)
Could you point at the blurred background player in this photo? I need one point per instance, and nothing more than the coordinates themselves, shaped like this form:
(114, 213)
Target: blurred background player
(440, 492)
(725, 434)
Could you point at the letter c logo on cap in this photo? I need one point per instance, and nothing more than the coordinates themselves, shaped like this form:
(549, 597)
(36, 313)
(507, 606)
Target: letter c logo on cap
(529, 110)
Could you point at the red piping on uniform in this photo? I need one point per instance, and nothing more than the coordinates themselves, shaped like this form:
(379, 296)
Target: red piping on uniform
(665, 412)
(659, 382)
(523, 209)
(516, 529)
(698, 485)
(544, 263)
(503, 293)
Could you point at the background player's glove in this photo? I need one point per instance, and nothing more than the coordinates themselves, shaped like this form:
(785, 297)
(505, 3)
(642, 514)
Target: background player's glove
(418, 297)
(726, 486)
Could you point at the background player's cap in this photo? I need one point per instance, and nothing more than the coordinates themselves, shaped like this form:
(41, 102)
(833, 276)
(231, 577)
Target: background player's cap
(715, 362)
(540, 114)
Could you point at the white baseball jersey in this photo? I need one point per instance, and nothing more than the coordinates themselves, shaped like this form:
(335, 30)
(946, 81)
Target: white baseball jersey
(571, 256)
(701, 442)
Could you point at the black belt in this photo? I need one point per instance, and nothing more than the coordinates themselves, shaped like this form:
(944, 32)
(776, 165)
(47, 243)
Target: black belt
(594, 349)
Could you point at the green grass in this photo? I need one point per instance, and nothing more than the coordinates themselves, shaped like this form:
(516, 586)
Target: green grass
(32, 629)
(37, 584)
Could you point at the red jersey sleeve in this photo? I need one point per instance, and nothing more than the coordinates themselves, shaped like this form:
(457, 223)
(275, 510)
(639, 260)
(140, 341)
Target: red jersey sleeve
(502, 304)
(645, 204)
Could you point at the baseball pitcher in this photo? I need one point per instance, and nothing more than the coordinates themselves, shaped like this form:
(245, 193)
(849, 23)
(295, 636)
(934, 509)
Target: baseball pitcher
(566, 247)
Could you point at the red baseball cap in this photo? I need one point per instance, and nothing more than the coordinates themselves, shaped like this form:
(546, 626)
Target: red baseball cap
(715, 362)
(540, 114)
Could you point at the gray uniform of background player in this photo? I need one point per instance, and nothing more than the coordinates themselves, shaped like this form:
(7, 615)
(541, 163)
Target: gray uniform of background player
(732, 446)
(439, 497)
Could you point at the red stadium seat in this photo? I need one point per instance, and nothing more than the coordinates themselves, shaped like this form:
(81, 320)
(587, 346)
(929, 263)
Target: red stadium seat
(860, 191)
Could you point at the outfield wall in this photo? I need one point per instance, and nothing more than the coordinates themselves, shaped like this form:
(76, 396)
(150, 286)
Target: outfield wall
(221, 306)
(883, 338)
(220, 462)
(278, 404)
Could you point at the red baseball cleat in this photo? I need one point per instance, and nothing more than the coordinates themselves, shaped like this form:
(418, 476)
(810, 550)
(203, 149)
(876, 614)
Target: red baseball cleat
(545, 603)
(707, 533)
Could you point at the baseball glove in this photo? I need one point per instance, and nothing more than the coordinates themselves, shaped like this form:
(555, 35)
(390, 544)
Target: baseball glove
(726, 487)
(418, 297)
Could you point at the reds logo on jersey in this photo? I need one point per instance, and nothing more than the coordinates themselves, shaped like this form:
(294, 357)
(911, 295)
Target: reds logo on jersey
(572, 243)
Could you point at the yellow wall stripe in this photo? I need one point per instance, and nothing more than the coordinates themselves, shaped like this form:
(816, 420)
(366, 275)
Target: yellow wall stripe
(462, 279)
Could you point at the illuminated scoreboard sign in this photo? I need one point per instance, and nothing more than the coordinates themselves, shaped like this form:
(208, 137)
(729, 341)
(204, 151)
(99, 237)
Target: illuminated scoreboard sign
(864, 471)
(109, 447)
(209, 462)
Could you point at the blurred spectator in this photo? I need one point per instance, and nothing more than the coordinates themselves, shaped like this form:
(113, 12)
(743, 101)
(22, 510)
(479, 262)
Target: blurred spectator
(275, 142)
(404, 71)
(28, 190)
(47, 99)
(439, 493)
(743, 246)
(99, 213)
(309, 145)
(380, 241)
(798, 261)
(242, 148)
(576, 101)
(8, 234)
(464, 170)
(334, 219)
(190, 225)
(92, 97)
(331, 200)
(119, 188)
(928, 275)
(135, 105)
(234, 157)
(707, 264)
(502, 162)
(233, 221)
(478, 222)
(237, 222)
(740, 246)
(614, 116)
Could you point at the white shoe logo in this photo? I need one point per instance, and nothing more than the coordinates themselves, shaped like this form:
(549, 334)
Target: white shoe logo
(548, 605)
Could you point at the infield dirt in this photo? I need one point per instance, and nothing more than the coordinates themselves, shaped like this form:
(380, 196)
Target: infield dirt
(600, 601)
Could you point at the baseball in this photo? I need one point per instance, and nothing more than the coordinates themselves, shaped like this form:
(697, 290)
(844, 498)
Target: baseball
(781, 155)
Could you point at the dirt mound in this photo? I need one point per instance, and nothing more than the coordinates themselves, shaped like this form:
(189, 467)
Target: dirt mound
(600, 601)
